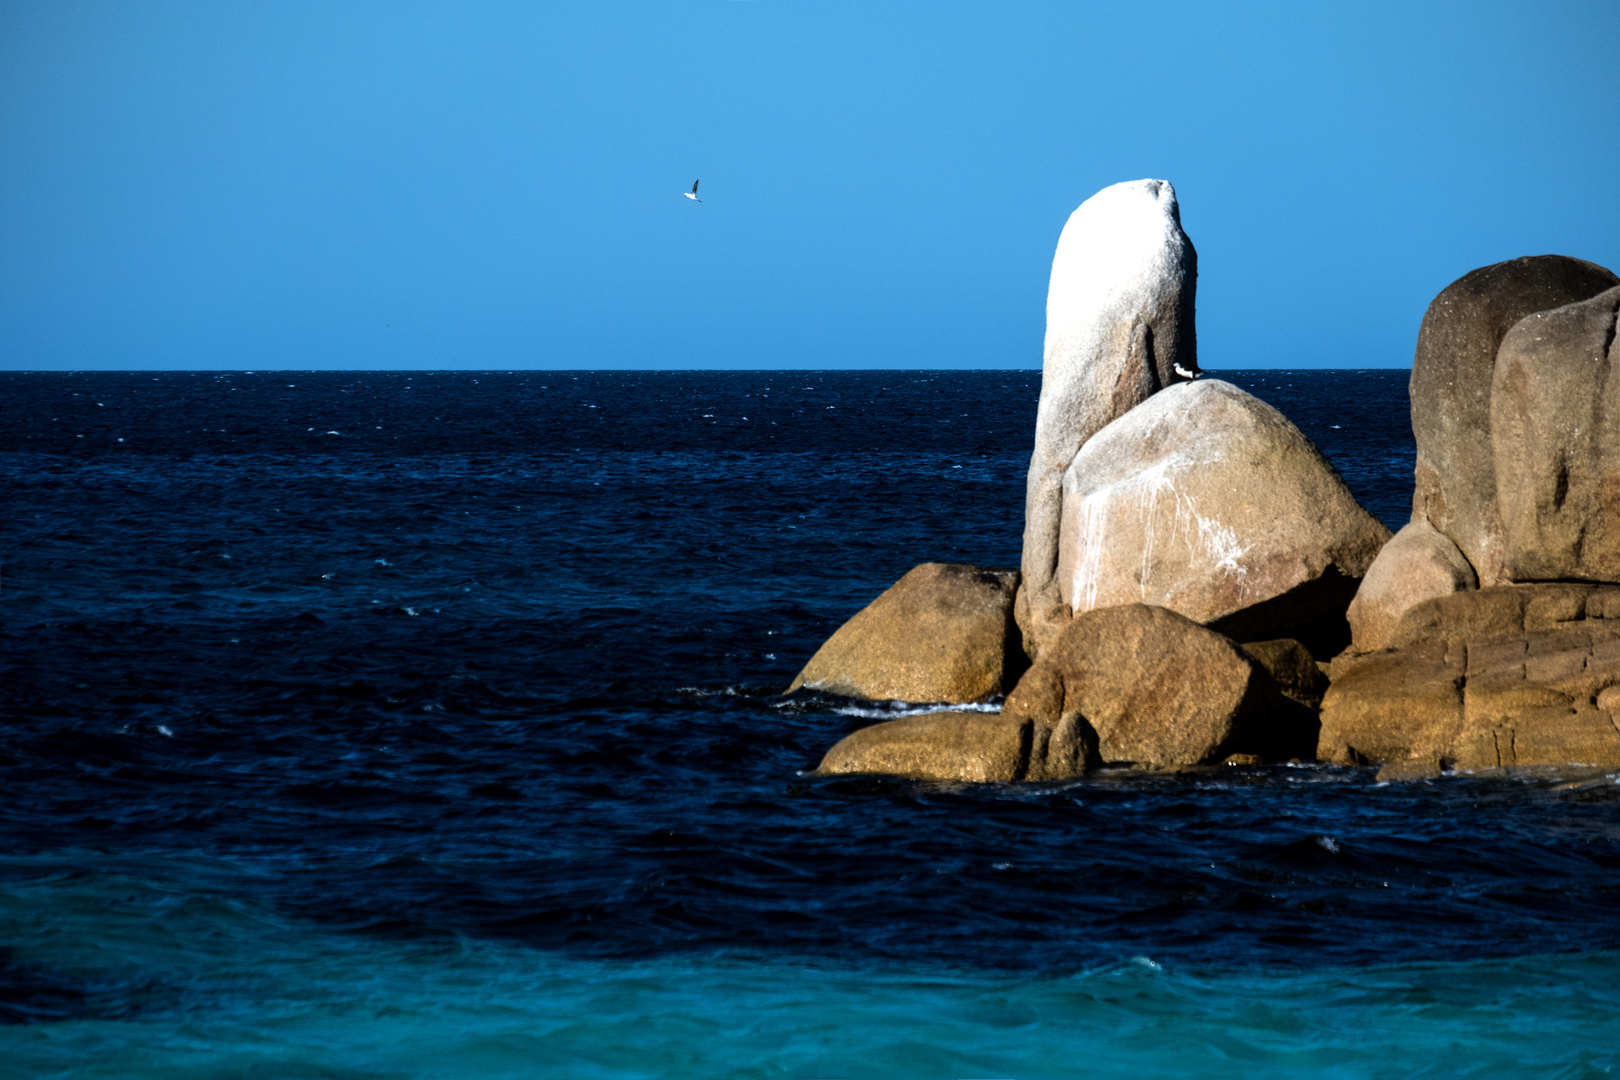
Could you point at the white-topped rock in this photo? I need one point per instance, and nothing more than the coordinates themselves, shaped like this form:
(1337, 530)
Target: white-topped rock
(1119, 327)
(1207, 501)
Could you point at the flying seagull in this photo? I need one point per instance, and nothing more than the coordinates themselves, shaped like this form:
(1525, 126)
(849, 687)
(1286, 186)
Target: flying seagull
(693, 193)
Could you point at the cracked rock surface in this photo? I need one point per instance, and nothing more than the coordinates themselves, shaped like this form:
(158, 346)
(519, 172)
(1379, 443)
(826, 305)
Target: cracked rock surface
(1505, 676)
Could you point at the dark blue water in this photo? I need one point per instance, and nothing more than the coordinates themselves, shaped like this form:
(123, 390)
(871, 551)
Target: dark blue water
(363, 724)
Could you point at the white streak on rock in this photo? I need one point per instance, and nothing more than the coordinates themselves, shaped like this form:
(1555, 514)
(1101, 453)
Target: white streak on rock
(1207, 540)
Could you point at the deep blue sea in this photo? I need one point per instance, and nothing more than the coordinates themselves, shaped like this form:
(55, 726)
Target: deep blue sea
(366, 725)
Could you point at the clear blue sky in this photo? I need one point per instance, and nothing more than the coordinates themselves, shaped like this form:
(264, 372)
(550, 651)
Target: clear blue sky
(335, 184)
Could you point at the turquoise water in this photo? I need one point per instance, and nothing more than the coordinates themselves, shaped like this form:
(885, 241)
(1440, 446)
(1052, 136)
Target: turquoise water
(396, 725)
(196, 985)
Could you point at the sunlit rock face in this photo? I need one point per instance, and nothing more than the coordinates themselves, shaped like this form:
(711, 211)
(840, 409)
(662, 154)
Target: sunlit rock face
(1498, 677)
(1207, 501)
(1555, 429)
(1119, 325)
(944, 632)
(1420, 563)
(1452, 387)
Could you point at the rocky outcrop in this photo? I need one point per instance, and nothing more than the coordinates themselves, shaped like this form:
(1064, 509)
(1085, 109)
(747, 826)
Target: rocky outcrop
(1209, 502)
(1517, 418)
(1133, 685)
(1119, 325)
(1154, 689)
(1555, 430)
(1419, 564)
(1509, 675)
(1451, 390)
(943, 632)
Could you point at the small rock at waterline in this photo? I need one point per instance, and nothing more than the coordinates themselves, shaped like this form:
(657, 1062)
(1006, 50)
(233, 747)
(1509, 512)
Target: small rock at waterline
(972, 747)
(943, 632)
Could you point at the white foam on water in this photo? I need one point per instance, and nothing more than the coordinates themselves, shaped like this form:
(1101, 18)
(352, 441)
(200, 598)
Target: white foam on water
(893, 710)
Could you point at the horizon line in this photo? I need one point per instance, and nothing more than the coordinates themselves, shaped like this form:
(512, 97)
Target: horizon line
(610, 371)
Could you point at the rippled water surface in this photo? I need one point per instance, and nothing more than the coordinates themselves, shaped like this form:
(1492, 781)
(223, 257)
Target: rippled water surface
(373, 724)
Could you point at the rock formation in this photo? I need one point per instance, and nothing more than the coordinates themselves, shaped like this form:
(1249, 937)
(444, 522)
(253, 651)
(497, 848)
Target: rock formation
(943, 632)
(1451, 392)
(1419, 564)
(1509, 675)
(1119, 325)
(1132, 685)
(1555, 430)
(1299, 676)
(1521, 470)
(966, 746)
(1207, 501)
(1153, 688)
(1167, 520)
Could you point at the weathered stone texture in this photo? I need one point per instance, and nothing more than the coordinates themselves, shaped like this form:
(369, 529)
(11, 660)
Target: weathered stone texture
(944, 632)
(1506, 676)
(1555, 428)
(967, 746)
(1209, 502)
(1153, 687)
(1119, 323)
(1456, 489)
(1419, 564)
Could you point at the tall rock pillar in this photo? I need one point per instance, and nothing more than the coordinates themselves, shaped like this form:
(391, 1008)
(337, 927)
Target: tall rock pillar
(1119, 327)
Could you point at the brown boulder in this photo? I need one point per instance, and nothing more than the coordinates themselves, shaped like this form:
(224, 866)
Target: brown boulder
(1392, 706)
(1555, 426)
(1505, 676)
(968, 746)
(1451, 392)
(1150, 687)
(1297, 674)
(1132, 685)
(971, 747)
(1207, 501)
(943, 632)
(1419, 564)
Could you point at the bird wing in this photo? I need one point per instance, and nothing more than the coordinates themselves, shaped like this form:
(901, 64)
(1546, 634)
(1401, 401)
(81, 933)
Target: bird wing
(694, 186)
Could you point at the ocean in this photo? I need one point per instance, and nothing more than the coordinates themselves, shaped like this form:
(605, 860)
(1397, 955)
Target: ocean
(428, 724)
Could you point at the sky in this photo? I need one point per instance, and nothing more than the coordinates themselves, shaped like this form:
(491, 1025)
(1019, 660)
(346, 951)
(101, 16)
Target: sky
(233, 184)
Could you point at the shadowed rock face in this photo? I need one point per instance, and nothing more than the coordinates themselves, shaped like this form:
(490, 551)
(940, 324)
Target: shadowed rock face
(1154, 689)
(1510, 675)
(1419, 564)
(944, 632)
(1119, 321)
(1451, 388)
(1209, 502)
(1555, 428)
(1297, 674)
